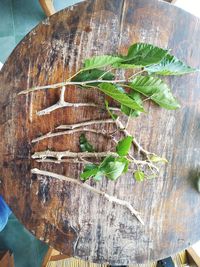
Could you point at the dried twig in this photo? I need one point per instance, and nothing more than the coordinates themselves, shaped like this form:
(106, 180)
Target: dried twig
(71, 160)
(79, 157)
(62, 103)
(79, 127)
(58, 85)
(86, 123)
(67, 132)
(112, 199)
(68, 154)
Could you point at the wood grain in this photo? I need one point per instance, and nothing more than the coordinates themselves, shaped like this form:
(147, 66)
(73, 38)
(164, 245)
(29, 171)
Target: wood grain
(73, 220)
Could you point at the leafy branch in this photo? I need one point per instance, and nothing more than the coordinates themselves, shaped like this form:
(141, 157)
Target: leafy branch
(145, 63)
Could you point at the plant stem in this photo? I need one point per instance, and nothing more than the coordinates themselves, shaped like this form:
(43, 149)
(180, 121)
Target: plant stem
(135, 74)
(62, 103)
(147, 163)
(70, 160)
(58, 85)
(50, 134)
(79, 157)
(86, 123)
(109, 70)
(120, 125)
(68, 154)
(112, 199)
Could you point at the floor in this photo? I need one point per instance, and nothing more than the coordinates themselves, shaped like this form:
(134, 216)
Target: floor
(17, 18)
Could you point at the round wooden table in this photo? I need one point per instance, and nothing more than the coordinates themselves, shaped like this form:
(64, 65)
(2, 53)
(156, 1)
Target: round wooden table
(70, 218)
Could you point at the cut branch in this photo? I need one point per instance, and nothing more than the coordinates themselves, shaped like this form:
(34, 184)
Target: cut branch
(86, 123)
(112, 199)
(71, 160)
(58, 85)
(68, 154)
(62, 103)
(67, 132)
(78, 157)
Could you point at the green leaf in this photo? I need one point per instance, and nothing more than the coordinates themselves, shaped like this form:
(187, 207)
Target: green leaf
(85, 145)
(95, 74)
(125, 161)
(101, 61)
(156, 90)
(113, 116)
(114, 169)
(139, 176)
(170, 65)
(141, 55)
(110, 167)
(112, 91)
(121, 89)
(131, 112)
(105, 162)
(98, 176)
(90, 170)
(124, 146)
(156, 159)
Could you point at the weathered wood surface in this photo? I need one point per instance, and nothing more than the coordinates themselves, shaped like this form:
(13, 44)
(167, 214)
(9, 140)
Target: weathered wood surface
(69, 218)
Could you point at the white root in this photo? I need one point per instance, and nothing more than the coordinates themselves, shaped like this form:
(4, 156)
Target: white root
(83, 124)
(68, 154)
(112, 199)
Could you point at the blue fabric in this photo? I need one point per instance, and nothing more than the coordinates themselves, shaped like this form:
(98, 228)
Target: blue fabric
(4, 213)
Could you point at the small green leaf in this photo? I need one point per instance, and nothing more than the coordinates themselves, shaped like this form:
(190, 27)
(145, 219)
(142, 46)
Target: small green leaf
(105, 162)
(124, 146)
(85, 146)
(156, 159)
(100, 61)
(131, 112)
(95, 74)
(98, 176)
(90, 170)
(141, 55)
(170, 65)
(114, 169)
(113, 116)
(125, 161)
(139, 176)
(112, 91)
(156, 90)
